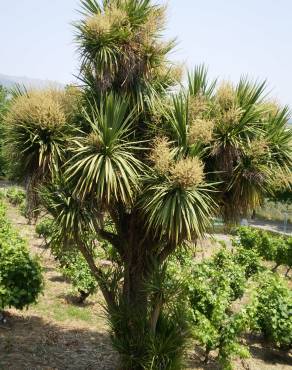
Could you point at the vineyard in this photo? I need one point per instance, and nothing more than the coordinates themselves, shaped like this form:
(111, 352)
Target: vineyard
(238, 298)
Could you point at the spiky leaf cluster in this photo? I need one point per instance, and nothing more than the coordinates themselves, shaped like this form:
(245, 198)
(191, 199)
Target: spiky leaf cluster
(242, 137)
(37, 131)
(121, 48)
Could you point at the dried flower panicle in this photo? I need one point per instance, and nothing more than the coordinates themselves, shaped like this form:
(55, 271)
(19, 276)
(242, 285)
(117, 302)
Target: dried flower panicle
(187, 172)
(38, 107)
(72, 101)
(270, 109)
(226, 96)
(161, 155)
(197, 106)
(165, 70)
(231, 116)
(102, 23)
(176, 72)
(258, 148)
(73, 93)
(69, 99)
(98, 24)
(94, 141)
(155, 21)
(201, 130)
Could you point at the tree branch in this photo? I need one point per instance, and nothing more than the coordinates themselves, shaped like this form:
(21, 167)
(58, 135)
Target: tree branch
(166, 251)
(98, 274)
(110, 237)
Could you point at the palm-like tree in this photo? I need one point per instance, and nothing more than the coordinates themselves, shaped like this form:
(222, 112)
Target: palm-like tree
(146, 165)
(37, 128)
(113, 173)
(243, 138)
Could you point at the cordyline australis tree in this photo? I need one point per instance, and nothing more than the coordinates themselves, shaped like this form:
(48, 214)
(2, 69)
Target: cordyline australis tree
(142, 167)
(38, 126)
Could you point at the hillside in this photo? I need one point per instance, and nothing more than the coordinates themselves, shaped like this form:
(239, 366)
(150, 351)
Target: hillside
(10, 81)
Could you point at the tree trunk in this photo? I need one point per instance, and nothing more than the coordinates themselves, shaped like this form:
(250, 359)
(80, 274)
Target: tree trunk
(274, 269)
(83, 295)
(207, 353)
(132, 330)
(137, 259)
(132, 315)
(134, 335)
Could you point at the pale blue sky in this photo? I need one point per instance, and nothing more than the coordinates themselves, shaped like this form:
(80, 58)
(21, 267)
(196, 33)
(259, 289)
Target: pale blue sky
(233, 37)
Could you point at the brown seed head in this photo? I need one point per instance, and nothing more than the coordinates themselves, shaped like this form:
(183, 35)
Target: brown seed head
(94, 141)
(231, 116)
(271, 108)
(258, 148)
(155, 21)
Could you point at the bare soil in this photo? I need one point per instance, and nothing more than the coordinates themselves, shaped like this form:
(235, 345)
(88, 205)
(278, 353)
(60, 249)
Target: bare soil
(58, 334)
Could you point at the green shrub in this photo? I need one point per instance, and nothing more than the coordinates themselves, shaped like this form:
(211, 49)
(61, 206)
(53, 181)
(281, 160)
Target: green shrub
(289, 254)
(76, 270)
(281, 255)
(267, 246)
(71, 262)
(271, 309)
(274, 248)
(20, 275)
(15, 196)
(23, 208)
(212, 286)
(44, 229)
(223, 261)
(2, 193)
(248, 237)
(249, 259)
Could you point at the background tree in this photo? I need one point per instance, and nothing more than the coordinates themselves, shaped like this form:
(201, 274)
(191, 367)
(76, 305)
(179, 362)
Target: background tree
(282, 189)
(3, 109)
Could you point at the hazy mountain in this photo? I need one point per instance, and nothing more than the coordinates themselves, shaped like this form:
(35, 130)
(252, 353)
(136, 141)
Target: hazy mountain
(10, 81)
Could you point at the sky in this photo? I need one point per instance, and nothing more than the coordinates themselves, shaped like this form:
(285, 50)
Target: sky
(232, 37)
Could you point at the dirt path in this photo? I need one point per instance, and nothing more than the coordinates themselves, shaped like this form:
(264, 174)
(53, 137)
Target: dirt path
(274, 226)
(56, 334)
